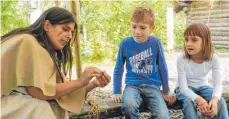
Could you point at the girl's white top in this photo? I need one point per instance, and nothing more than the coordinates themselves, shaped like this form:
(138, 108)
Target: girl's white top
(195, 75)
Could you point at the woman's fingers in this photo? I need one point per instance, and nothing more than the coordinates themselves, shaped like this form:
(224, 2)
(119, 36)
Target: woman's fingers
(106, 78)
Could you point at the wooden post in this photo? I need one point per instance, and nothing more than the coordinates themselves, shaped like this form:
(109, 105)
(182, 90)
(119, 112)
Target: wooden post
(170, 40)
(57, 2)
(74, 9)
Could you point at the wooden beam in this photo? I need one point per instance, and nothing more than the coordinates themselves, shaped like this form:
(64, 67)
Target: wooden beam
(57, 2)
(74, 9)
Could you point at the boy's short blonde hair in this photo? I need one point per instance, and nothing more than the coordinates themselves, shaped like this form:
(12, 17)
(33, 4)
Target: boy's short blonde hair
(143, 14)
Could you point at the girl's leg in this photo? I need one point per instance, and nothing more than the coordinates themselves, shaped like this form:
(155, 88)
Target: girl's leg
(189, 107)
(131, 100)
(222, 109)
(206, 92)
(155, 102)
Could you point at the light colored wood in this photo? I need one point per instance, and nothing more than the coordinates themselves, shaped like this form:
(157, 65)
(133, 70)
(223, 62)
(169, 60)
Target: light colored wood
(74, 9)
(57, 2)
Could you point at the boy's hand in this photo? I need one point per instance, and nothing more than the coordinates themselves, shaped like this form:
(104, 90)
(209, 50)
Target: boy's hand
(169, 99)
(213, 106)
(117, 97)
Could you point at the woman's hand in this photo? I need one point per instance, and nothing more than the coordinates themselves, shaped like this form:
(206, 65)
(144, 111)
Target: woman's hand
(88, 74)
(102, 81)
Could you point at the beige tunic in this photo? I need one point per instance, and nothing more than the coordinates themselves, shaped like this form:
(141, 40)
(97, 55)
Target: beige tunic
(24, 62)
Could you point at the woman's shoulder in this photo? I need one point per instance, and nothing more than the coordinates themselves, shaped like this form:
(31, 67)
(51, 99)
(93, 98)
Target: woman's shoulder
(27, 38)
(15, 41)
(21, 38)
(24, 39)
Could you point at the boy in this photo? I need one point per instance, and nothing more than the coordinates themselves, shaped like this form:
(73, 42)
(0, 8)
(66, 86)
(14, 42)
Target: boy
(146, 69)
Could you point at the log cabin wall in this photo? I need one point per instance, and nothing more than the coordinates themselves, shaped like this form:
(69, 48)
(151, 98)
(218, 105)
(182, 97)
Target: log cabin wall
(215, 16)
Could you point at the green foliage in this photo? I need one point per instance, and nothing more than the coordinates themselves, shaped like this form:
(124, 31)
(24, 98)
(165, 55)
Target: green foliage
(108, 22)
(14, 14)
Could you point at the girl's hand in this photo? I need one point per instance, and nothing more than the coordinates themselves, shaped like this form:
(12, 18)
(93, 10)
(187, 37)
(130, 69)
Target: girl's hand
(213, 106)
(169, 99)
(103, 80)
(202, 105)
(116, 98)
(88, 74)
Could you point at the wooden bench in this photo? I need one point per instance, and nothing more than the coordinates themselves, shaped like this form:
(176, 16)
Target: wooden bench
(111, 109)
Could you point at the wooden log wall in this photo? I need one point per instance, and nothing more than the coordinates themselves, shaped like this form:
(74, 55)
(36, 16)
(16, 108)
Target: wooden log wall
(216, 17)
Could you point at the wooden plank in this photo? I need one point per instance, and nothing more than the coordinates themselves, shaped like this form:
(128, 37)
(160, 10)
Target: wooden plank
(213, 12)
(218, 25)
(111, 109)
(203, 8)
(220, 38)
(220, 42)
(108, 109)
(221, 20)
(211, 16)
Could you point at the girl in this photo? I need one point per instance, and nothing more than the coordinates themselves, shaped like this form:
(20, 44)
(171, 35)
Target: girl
(193, 88)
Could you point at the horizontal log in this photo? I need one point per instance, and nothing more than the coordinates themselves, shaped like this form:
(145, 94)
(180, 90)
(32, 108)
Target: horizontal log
(220, 38)
(206, 12)
(221, 29)
(211, 16)
(111, 109)
(222, 20)
(223, 46)
(218, 24)
(220, 33)
(217, 42)
(205, 4)
(114, 110)
(205, 7)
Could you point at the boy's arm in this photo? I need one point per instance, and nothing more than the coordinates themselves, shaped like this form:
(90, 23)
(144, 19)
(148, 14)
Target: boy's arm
(118, 71)
(163, 70)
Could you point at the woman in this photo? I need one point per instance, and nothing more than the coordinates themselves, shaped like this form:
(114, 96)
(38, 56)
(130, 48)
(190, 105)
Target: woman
(32, 60)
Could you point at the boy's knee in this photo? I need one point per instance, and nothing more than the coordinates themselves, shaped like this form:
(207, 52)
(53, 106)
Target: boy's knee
(130, 104)
(188, 103)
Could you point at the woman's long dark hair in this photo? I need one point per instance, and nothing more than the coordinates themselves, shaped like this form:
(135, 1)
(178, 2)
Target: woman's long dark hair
(56, 15)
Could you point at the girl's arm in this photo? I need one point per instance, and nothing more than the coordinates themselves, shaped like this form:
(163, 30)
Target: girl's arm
(217, 82)
(182, 80)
